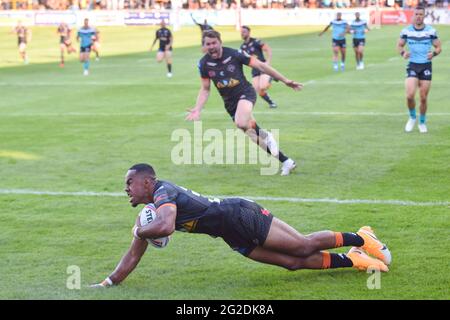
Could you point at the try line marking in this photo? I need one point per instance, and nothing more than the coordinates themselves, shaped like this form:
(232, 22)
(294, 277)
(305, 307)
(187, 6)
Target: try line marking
(152, 114)
(275, 199)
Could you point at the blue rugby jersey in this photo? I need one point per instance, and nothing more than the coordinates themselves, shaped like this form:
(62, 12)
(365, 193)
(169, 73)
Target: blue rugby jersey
(419, 42)
(359, 28)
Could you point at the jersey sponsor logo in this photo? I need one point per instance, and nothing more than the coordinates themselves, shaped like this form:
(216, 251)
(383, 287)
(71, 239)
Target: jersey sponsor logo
(231, 68)
(265, 212)
(188, 226)
(227, 84)
(211, 74)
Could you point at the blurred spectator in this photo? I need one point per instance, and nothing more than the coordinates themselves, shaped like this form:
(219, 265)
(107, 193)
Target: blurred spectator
(209, 4)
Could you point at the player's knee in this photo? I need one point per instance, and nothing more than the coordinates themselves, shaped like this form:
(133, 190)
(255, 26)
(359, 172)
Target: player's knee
(423, 99)
(306, 247)
(241, 124)
(262, 92)
(293, 265)
(410, 96)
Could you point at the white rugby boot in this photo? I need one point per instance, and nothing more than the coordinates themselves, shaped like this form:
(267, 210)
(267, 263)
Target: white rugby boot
(422, 128)
(410, 124)
(287, 167)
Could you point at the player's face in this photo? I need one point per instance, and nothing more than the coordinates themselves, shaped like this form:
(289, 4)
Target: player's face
(86, 23)
(138, 187)
(163, 24)
(419, 16)
(357, 15)
(245, 34)
(339, 16)
(214, 47)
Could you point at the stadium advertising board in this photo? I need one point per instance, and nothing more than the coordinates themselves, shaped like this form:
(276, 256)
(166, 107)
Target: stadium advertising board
(217, 17)
(104, 18)
(54, 18)
(146, 18)
(396, 16)
(10, 18)
(437, 16)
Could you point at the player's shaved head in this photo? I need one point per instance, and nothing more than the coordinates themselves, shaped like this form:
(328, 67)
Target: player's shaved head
(246, 27)
(143, 169)
(139, 183)
(419, 15)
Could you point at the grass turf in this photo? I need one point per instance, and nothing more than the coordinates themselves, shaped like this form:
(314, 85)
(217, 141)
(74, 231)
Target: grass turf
(60, 131)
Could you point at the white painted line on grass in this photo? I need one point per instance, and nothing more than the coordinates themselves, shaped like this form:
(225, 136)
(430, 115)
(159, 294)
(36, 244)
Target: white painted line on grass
(150, 83)
(275, 199)
(150, 114)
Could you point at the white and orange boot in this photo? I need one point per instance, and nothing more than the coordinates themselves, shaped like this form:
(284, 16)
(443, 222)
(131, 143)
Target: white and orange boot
(373, 246)
(362, 261)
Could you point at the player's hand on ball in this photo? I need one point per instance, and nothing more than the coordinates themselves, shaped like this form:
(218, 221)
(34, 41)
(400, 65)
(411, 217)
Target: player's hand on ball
(193, 115)
(294, 85)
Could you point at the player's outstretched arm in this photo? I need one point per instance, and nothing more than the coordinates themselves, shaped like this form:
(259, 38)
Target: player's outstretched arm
(127, 264)
(192, 17)
(264, 67)
(324, 30)
(202, 98)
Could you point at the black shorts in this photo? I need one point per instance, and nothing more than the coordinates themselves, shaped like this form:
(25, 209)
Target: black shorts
(359, 42)
(21, 40)
(338, 43)
(163, 48)
(247, 228)
(422, 71)
(85, 49)
(232, 103)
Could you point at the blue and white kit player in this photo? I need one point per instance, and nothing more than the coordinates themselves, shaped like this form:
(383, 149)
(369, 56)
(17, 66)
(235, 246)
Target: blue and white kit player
(340, 28)
(85, 34)
(420, 39)
(358, 28)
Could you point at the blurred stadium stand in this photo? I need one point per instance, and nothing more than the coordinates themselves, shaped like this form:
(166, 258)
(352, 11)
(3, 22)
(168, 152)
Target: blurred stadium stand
(208, 4)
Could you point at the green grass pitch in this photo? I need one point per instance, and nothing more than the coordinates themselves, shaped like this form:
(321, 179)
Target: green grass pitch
(62, 132)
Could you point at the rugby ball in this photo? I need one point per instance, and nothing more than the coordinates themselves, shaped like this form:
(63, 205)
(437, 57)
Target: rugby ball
(148, 215)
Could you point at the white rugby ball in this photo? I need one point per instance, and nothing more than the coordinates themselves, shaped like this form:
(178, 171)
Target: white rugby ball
(147, 215)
